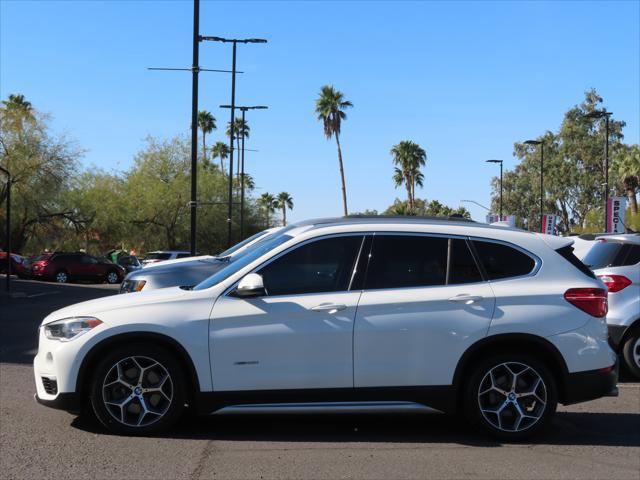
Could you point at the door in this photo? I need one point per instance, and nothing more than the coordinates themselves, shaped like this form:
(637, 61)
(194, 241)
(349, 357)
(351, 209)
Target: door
(89, 268)
(297, 336)
(423, 305)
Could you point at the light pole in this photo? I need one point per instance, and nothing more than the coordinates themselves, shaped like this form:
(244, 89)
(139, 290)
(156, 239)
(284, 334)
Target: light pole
(539, 142)
(235, 42)
(479, 204)
(243, 109)
(594, 115)
(500, 162)
(8, 228)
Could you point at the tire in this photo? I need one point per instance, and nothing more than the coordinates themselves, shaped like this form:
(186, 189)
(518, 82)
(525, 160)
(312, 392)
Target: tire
(128, 403)
(112, 277)
(631, 353)
(489, 390)
(61, 276)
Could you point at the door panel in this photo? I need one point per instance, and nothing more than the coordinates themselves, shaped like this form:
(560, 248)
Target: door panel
(284, 342)
(415, 336)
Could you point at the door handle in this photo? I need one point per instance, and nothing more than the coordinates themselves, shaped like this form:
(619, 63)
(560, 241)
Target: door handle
(466, 299)
(329, 307)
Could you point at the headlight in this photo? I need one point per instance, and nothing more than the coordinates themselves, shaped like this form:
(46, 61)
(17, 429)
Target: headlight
(70, 328)
(129, 286)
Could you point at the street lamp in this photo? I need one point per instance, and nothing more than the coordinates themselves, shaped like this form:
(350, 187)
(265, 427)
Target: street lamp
(243, 109)
(235, 42)
(500, 162)
(538, 142)
(595, 115)
(479, 204)
(8, 228)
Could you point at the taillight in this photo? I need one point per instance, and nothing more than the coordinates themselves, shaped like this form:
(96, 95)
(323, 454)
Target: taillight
(615, 283)
(590, 300)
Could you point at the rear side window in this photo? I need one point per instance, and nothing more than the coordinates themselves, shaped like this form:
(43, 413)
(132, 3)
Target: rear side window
(183, 255)
(158, 256)
(502, 261)
(399, 261)
(567, 254)
(606, 253)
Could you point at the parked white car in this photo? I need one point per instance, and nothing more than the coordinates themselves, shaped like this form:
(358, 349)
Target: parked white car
(615, 260)
(350, 313)
(151, 258)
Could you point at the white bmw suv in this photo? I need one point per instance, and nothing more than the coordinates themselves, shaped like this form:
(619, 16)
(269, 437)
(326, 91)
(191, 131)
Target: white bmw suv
(352, 313)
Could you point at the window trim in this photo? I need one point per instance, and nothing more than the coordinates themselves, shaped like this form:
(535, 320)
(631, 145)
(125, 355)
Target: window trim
(534, 271)
(447, 236)
(228, 291)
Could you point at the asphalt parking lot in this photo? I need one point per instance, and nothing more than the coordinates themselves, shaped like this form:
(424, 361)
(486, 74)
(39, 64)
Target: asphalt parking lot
(599, 439)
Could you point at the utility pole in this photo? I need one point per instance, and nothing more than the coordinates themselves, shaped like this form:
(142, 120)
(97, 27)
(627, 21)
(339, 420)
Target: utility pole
(539, 142)
(500, 162)
(194, 124)
(596, 114)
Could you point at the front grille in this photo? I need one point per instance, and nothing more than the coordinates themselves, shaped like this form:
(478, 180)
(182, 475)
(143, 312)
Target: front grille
(50, 385)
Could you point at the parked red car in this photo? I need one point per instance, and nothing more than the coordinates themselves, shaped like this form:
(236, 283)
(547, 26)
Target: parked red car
(18, 265)
(64, 267)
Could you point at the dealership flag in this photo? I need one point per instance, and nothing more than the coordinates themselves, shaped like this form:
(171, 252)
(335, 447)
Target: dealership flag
(615, 214)
(549, 224)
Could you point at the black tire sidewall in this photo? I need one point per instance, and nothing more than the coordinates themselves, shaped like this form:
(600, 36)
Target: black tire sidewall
(470, 400)
(144, 350)
(627, 353)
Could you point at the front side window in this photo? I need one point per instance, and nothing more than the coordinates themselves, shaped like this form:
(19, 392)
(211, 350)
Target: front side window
(502, 261)
(402, 261)
(324, 265)
(88, 259)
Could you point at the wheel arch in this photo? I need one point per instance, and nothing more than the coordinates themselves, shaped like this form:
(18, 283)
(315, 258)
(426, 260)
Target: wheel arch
(544, 350)
(95, 354)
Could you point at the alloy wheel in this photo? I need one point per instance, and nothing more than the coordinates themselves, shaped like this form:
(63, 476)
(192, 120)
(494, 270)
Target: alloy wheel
(61, 277)
(512, 397)
(137, 391)
(112, 277)
(636, 352)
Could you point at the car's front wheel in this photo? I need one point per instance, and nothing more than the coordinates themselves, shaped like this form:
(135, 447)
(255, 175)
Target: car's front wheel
(510, 397)
(138, 390)
(61, 276)
(112, 277)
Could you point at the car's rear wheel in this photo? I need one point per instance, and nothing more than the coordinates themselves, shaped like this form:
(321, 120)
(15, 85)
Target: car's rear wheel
(138, 390)
(112, 277)
(510, 396)
(631, 353)
(61, 276)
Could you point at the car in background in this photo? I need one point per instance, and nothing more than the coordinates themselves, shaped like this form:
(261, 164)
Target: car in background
(64, 267)
(615, 259)
(163, 255)
(18, 265)
(130, 263)
(188, 271)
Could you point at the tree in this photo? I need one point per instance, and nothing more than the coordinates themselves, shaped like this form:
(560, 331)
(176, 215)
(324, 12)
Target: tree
(207, 124)
(284, 201)
(267, 203)
(330, 107)
(249, 183)
(573, 170)
(626, 169)
(426, 208)
(240, 130)
(409, 157)
(220, 150)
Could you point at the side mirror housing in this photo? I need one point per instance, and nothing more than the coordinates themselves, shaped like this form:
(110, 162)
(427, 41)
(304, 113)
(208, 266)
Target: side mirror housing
(251, 285)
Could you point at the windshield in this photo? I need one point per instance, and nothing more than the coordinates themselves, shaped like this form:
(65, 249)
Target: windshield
(238, 246)
(243, 259)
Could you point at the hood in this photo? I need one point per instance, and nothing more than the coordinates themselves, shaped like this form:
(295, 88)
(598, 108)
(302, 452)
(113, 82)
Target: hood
(114, 302)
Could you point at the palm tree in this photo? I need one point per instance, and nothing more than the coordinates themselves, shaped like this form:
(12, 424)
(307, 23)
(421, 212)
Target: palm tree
(408, 158)
(220, 150)
(284, 201)
(330, 107)
(17, 102)
(267, 202)
(249, 183)
(240, 129)
(207, 124)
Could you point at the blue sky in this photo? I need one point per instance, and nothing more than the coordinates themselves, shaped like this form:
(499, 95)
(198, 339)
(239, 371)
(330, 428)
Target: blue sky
(463, 79)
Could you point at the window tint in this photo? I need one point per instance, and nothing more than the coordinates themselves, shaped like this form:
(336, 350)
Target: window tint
(321, 266)
(157, 256)
(462, 266)
(502, 261)
(88, 259)
(606, 253)
(183, 255)
(399, 261)
(567, 253)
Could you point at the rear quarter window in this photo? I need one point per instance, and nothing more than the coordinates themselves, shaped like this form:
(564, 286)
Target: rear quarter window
(607, 253)
(502, 261)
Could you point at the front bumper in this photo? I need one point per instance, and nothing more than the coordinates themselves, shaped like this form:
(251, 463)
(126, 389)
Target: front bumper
(63, 401)
(589, 385)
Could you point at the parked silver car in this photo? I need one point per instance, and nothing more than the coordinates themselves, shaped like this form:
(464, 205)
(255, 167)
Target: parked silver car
(187, 271)
(615, 259)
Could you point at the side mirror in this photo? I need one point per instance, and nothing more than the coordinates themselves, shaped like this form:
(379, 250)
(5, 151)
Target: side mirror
(251, 285)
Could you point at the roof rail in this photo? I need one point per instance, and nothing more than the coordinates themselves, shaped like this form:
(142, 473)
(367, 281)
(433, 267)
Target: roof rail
(451, 218)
